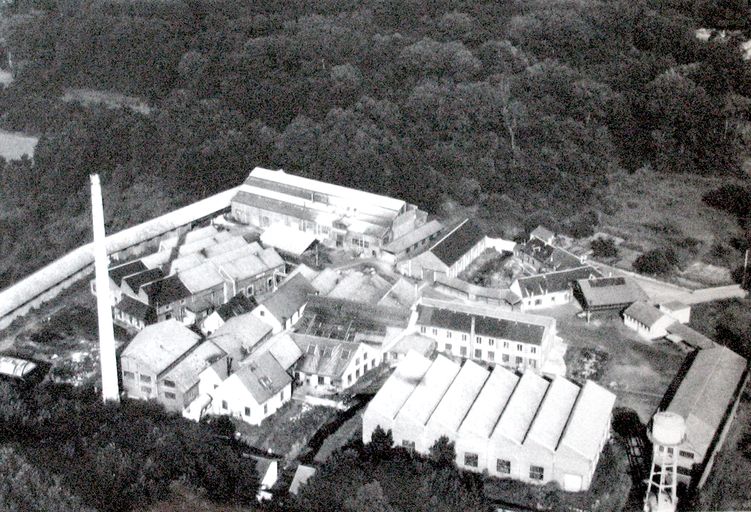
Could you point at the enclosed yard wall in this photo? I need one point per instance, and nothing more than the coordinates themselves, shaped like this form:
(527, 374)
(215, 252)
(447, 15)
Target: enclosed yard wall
(47, 282)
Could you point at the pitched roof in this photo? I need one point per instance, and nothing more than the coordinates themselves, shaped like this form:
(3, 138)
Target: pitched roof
(166, 291)
(459, 397)
(399, 386)
(548, 255)
(360, 287)
(554, 412)
(240, 333)
(401, 244)
(480, 292)
(201, 278)
(185, 374)
(705, 392)
(589, 419)
(136, 309)
(231, 244)
(161, 344)
(237, 305)
(456, 244)
(118, 272)
(263, 377)
(644, 313)
(288, 239)
(610, 291)
(135, 281)
(414, 342)
(291, 295)
(282, 347)
(680, 332)
(429, 392)
(554, 282)
(324, 356)
(302, 475)
(325, 281)
(521, 408)
(402, 294)
(492, 399)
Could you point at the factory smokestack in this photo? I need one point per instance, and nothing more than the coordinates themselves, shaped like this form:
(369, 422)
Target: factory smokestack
(110, 389)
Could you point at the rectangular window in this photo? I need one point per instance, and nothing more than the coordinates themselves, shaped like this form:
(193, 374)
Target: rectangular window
(464, 337)
(503, 466)
(471, 460)
(519, 347)
(491, 356)
(532, 363)
(409, 445)
(491, 342)
(247, 411)
(478, 353)
(423, 329)
(145, 378)
(533, 350)
(536, 472)
(505, 344)
(448, 347)
(504, 358)
(270, 283)
(169, 383)
(519, 360)
(448, 334)
(687, 455)
(478, 339)
(463, 351)
(169, 395)
(265, 409)
(224, 405)
(320, 380)
(435, 331)
(684, 471)
(129, 375)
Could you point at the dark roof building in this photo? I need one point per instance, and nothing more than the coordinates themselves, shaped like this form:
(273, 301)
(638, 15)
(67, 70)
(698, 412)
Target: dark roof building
(118, 272)
(135, 281)
(546, 257)
(237, 305)
(554, 282)
(451, 248)
(166, 291)
(608, 293)
(136, 309)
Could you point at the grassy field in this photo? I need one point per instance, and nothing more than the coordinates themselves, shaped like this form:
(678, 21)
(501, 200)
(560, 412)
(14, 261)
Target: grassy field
(637, 371)
(14, 145)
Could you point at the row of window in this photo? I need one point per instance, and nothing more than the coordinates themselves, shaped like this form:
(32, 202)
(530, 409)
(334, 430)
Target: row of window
(477, 354)
(682, 453)
(478, 339)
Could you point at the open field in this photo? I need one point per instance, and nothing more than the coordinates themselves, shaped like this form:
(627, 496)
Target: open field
(14, 145)
(637, 371)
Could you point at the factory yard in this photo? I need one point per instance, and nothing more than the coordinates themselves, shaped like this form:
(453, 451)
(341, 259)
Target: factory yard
(637, 371)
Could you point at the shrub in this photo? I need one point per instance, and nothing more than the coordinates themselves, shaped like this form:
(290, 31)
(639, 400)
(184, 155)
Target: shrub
(604, 248)
(656, 262)
(733, 199)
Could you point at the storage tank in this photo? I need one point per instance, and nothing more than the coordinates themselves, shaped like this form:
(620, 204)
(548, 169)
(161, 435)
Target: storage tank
(668, 429)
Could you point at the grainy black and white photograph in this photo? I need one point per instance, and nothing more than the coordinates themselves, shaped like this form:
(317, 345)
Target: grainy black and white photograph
(375, 255)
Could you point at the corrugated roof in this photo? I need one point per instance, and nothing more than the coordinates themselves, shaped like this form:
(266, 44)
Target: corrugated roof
(589, 419)
(487, 408)
(553, 414)
(455, 404)
(399, 386)
(553, 282)
(455, 245)
(644, 313)
(608, 291)
(161, 344)
(521, 408)
(185, 374)
(705, 393)
(291, 295)
(417, 235)
(118, 272)
(429, 392)
(166, 291)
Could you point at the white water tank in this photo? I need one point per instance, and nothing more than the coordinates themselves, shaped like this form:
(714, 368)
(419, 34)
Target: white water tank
(668, 428)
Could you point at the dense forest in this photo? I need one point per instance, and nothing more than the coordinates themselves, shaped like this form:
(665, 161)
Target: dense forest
(518, 110)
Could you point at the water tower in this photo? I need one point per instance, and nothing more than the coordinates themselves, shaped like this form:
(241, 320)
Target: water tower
(668, 432)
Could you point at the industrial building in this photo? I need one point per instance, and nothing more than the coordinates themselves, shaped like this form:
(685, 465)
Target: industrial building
(551, 289)
(509, 338)
(528, 428)
(607, 293)
(337, 216)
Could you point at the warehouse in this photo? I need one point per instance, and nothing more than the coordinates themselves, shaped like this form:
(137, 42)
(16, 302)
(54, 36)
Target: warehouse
(607, 294)
(527, 428)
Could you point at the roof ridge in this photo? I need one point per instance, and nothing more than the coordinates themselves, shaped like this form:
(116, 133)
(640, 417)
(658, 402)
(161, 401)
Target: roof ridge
(715, 363)
(505, 406)
(448, 234)
(443, 395)
(537, 410)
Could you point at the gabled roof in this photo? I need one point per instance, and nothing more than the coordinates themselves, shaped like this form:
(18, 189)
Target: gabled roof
(185, 374)
(644, 313)
(166, 291)
(324, 356)
(487, 407)
(414, 342)
(159, 345)
(705, 392)
(402, 294)
(554, 282)
(118, 272)
(282, 347)
(136, 309)
(680, 332)
(456, 244)
(610, 291)
(231, 244)
(554, 412)
(135, 281)
(521, 408)
(460, 396)
(287, 239)
(237, 305)
(480, 292)
(240, 333)
(399, 386)
(325, 281)
(429, 392)
(417, 235)
(201, 278)
(263, 377)
(302, 475)
(589, 419)
(291, 295)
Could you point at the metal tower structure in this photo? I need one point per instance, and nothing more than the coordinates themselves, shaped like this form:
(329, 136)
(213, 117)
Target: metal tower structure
(668, 432)
(107, 358)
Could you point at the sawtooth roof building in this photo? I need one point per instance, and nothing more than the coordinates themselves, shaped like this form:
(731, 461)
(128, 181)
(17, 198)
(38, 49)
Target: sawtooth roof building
(524, 427)
(337, 216)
